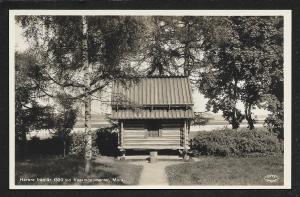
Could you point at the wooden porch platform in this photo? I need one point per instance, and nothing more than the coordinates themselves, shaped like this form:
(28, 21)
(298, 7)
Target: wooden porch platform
(159, 157)
(152, 147)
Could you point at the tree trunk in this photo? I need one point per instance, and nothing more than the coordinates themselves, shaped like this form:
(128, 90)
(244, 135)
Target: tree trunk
(186, 64)
(64, 151)
(235, 122)
(87, 99)
(88, 137)
(187, 55)
(248, 116)
(24, 145)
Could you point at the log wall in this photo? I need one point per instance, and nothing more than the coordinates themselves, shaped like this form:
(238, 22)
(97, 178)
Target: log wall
(135, 135)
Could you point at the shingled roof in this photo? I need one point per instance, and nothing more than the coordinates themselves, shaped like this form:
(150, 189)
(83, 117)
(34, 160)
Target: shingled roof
(156, 98)
(154, 91)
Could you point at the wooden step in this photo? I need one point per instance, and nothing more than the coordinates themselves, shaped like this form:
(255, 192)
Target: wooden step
(159, 157)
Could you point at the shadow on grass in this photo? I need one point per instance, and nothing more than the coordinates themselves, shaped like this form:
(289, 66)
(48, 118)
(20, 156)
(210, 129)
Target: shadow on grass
(55, 170)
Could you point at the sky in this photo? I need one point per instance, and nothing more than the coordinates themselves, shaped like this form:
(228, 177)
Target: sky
(198, 98)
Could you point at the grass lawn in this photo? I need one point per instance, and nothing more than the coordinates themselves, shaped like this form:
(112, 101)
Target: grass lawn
(227, 171)
(54, 170)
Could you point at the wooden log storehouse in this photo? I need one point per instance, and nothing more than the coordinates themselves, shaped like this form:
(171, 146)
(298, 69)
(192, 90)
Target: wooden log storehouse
(154, 113)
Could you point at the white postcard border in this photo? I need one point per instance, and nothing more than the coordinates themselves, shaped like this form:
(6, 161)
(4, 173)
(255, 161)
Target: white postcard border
(287, 89)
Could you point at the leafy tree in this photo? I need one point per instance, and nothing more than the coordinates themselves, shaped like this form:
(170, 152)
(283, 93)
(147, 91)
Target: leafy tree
(220, 79)
(275, 120)
(244, 63)
(83, 55)
(65, 119)
(237, 59)
(30, 114)
(174, 45)
(273, 63)
(157, 51)
(193, 35)
(260, 56)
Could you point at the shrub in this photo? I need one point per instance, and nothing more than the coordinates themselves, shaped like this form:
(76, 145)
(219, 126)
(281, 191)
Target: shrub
(238, 142)
(104, 142)
(50, 146)
(77, 144)
(107, 141)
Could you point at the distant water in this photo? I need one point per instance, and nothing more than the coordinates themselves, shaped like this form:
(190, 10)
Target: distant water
(210, 127)
(45, 133)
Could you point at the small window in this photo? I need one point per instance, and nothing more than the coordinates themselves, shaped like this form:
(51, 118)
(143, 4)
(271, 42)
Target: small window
(153, 128)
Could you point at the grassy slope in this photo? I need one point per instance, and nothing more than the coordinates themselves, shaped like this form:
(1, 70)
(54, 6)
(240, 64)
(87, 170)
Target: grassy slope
(227, 171)
(104, 171)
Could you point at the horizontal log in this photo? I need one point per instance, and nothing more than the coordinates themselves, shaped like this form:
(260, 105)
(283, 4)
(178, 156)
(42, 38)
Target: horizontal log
(134, 130)
(149, 144)
(145, 133)
(155, 147)
(144, 130)
(135, 142)
(134, 136)
(145, 136)
(153, 140)
(170, 134)
(133, 124)
(172, 125)
(171, 137)
(140, 133)
(171, 128)
(170, 131)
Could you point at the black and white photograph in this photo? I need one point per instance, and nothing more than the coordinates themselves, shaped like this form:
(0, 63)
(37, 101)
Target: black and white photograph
(150, 99)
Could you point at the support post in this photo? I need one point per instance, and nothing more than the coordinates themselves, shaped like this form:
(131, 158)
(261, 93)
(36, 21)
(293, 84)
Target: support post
(123, 152)
(185, 135)
(121, 134)
(185, 151)
(153, 156)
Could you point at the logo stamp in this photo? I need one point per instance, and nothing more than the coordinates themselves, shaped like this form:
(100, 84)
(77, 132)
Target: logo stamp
(271, 178)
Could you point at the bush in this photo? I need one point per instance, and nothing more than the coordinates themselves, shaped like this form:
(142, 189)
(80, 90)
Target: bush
(240, 142)
(104, 142)
(77, 144)
(50, 146)
(107, 141)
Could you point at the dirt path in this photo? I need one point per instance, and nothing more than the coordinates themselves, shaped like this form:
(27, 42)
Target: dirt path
(154, 173)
